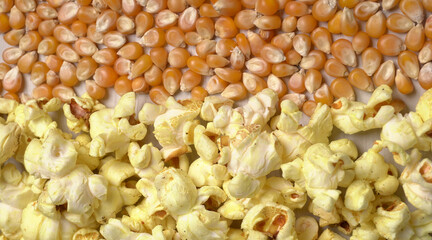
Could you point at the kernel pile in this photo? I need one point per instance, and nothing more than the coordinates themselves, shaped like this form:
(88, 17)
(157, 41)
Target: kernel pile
(240, 47)
(107, 184)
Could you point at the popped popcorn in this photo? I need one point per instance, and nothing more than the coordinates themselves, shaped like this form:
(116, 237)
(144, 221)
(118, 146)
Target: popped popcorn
(205, 179)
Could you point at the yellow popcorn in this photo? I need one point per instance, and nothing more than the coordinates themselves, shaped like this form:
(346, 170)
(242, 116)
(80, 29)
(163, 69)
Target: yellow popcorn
(205, 147)
(204, 173)
(289, 118)
(53, 156)
(82, 143)
(10, 221)
(125, 106)
(211, 197)
(86, 234)
(78, 111)
(147, 160)
(9, 140)
(201, 224)
(326, 218)
(116, 230)
(287, 194)
(352, 117)
(323, 170)
(366, 231)
(273, 220)
(110, 206)
(135, 132)
(116, 171)
(211, 106)
(260, 107)
(36, 226)
(351, 219)
(169, 126)
(423, 105)
(149, 112)
(344, 146)
(105, 134)
(399, 131)
(306, 228)
(76, 190)
(358, 195)
(233, 210)
(391, 217)
(371, 165)
(421, 223)
(255, 154)
(416, 180)
(129, 193)
(7, 105)
(175, 191)
(235, 234)
(330, 235)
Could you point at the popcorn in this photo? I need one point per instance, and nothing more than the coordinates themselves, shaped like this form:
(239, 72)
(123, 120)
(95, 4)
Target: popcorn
(399, 131)
(421, 224)
(204, 146)
(169, 126)
(175, 191)
(416, 180)
(260, 108)
(344, 146)
(211, 106)
(330, 235)
(116, 230)
(110, 206)
(252, 157)
(53, 156)
(86, 234)
(423, 105)
(233, 210)
(35, 225)
(204, 173)
(116, 171)
(326, 217)
(306, 227)
(147, 160)
(10, 221)
(9, 140)
(76, 190)
(391, 217)
(149, 112)
(201, 224)
(358, 195)
(352, 117)
(323, 170)
(365, 231)
(78, 112)
(273, 220)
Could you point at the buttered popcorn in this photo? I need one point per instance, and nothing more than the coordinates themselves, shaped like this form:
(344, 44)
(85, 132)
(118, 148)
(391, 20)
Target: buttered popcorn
(253, 167)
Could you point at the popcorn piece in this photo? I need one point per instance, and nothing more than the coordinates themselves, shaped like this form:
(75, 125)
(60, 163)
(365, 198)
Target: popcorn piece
(169, 126)
(391, 217)
(82, 143)
(352, 117)
(344, 146)
(358, 195)
(78, 112)
(211, 197)
(423, 105)
(330, 235)
(416, 180)
(204, 173)
(421, 223)
(125, 106)
(306, 228)
(7, 106)
(86, 234)
(110, 206)
(290, 117)
(256, 155)
(76, 190)
(9, 140)
(129, 193)
(365, 231)
(273, 220)
(176, 191)
(236, 234)
(147, 160)
(201, 224)
(35, 225)
(323, 170)
(10, 221)
(326, 218)
(116, 171)
(399, 131)
(233, 210)
(260, 108)
(116, 230)
(54, 156)
(211, 106)
(150, 112)
(205, 147)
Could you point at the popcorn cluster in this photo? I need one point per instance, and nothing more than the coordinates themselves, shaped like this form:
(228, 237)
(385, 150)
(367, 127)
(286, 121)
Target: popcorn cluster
(107, 183)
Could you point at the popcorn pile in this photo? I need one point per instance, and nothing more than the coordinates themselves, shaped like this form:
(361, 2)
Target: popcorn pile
(107, 183)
